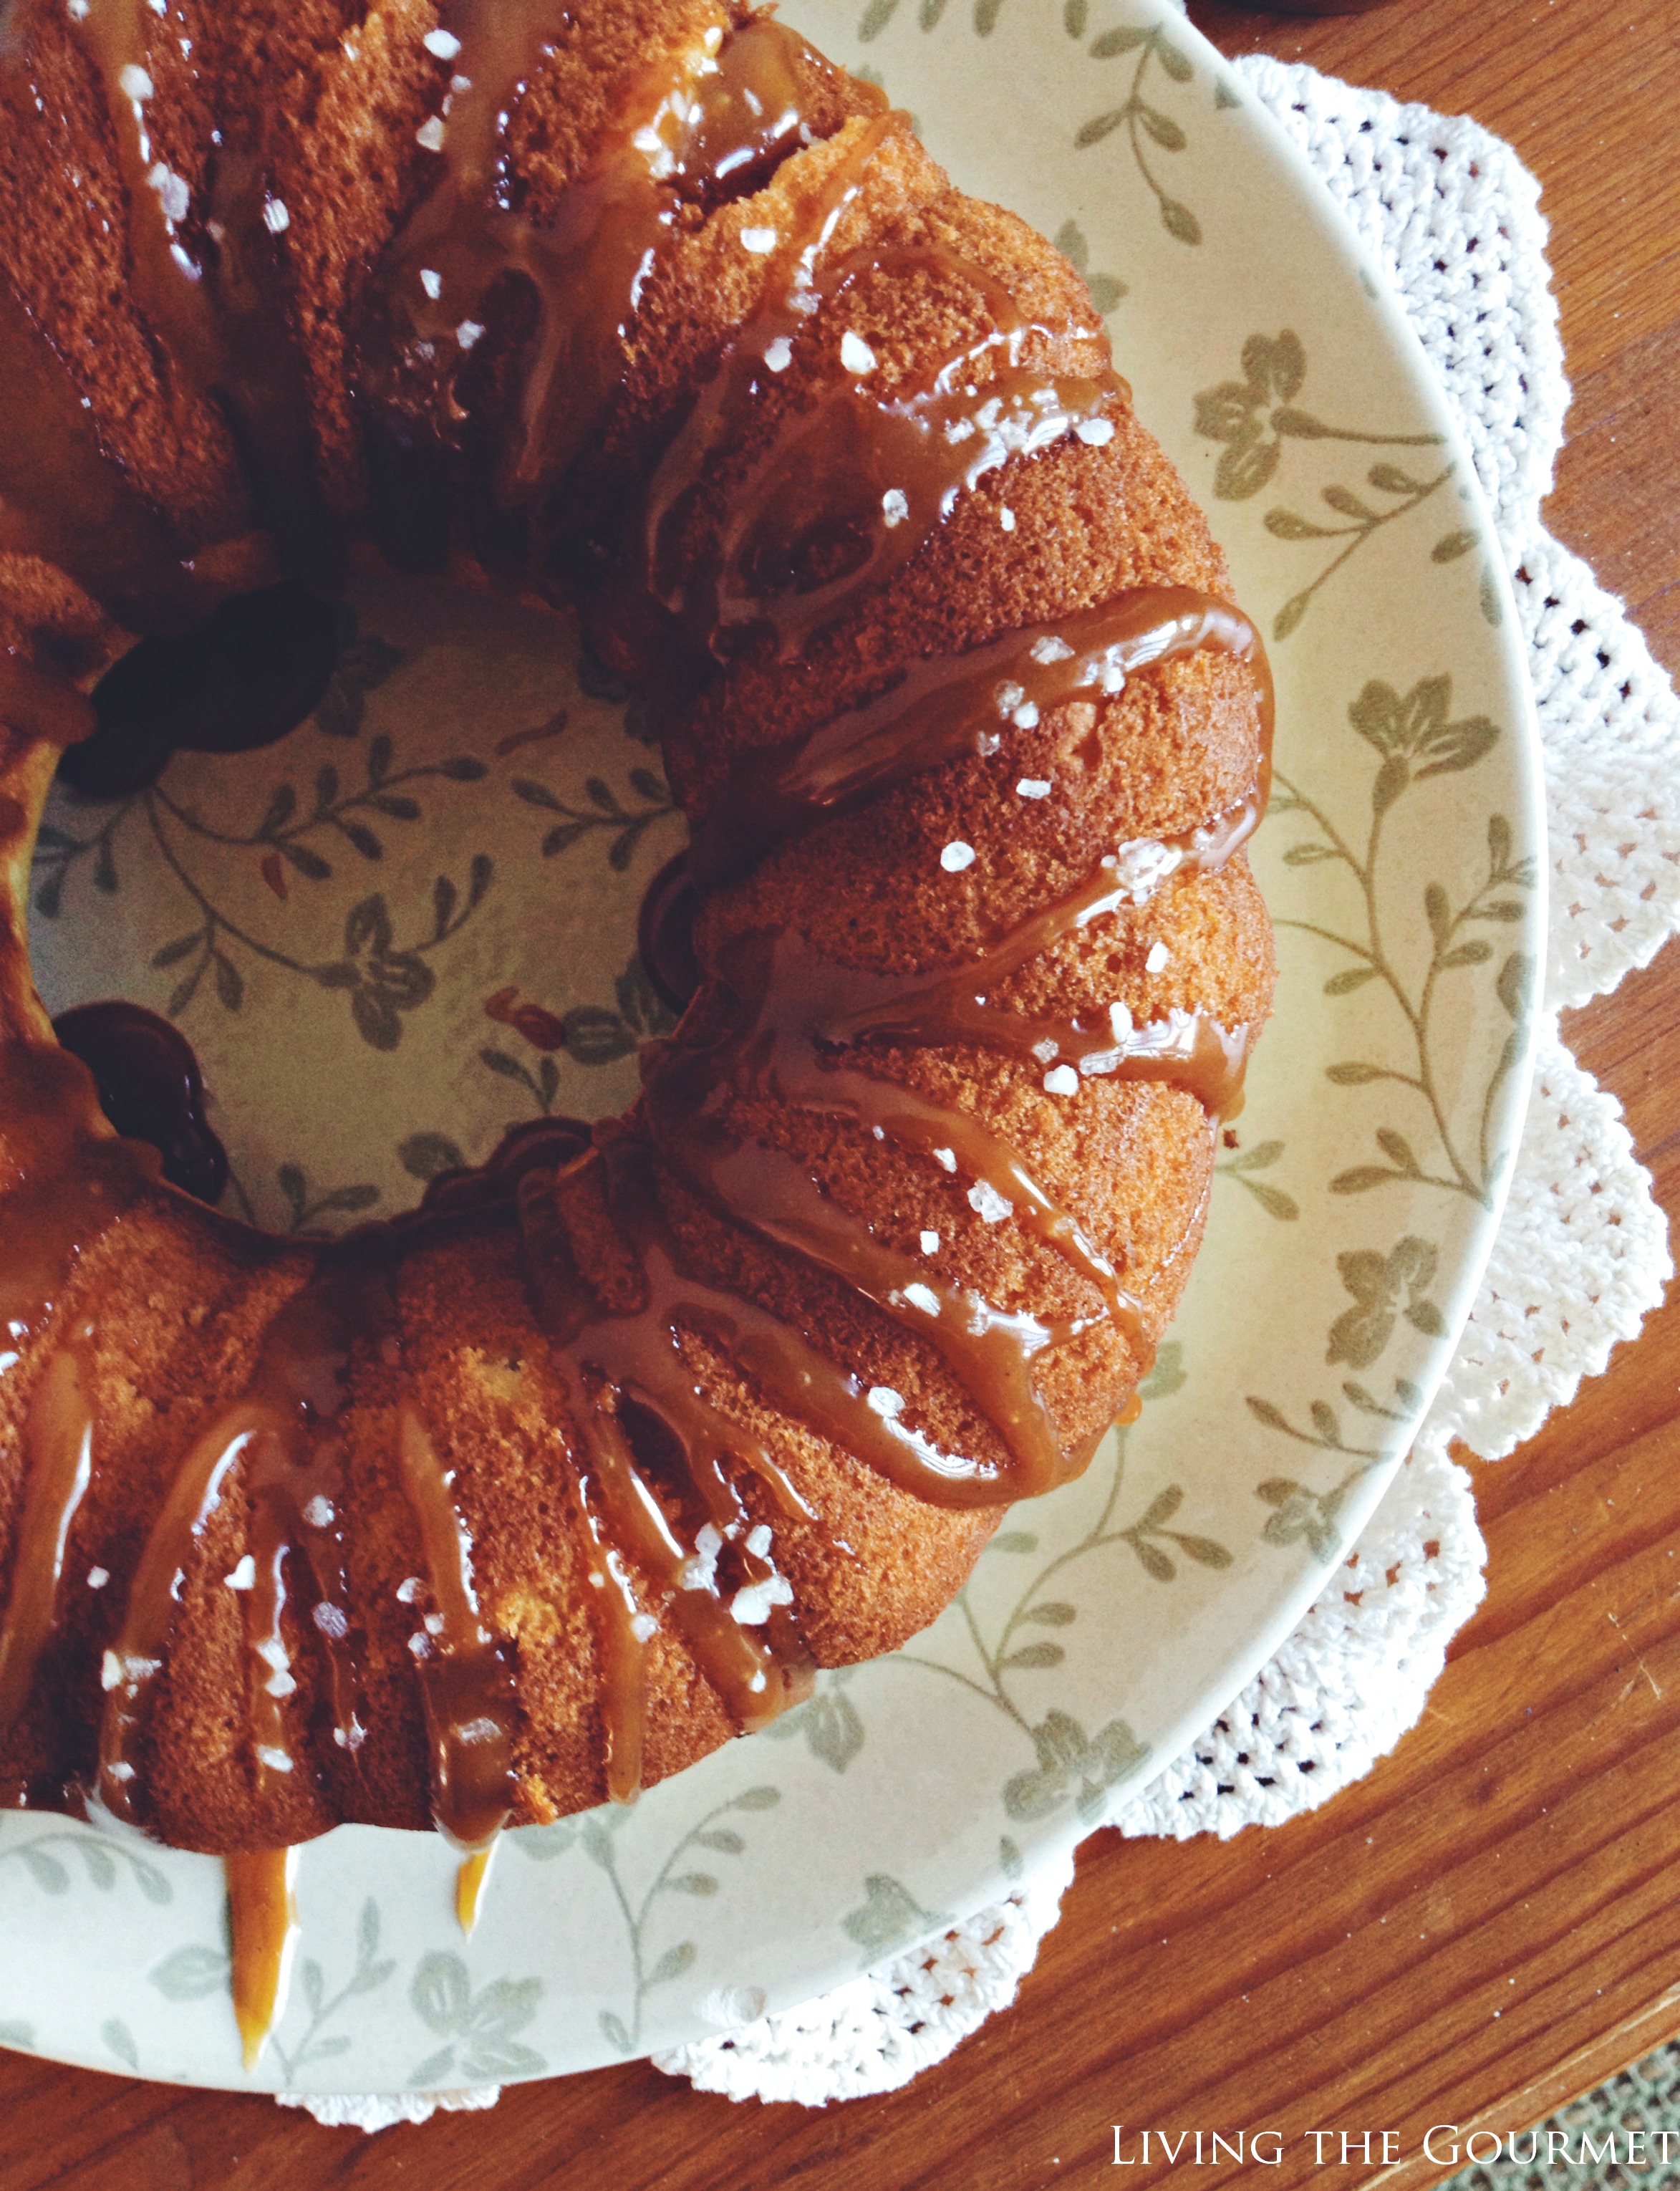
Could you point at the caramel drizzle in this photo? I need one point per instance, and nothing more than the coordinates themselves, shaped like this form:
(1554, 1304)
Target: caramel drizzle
(466, 1684)
(169, 282)
(605, 1361)
(699, 124)
(284, 1436)
(943, 708)
(679, 1551)
(263, 1922)
(58, 1440)
(904, 460)
(799, 1009)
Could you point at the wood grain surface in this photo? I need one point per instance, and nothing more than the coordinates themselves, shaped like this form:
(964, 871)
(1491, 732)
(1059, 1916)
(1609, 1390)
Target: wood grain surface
(1490, 1922)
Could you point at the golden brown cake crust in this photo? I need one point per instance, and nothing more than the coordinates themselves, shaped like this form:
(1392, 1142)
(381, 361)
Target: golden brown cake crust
(480, 1345)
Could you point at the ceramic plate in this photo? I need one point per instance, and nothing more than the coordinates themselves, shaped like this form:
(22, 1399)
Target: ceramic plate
(414, 923)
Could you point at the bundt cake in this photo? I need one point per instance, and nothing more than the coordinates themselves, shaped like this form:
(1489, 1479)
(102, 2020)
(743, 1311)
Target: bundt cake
(537, 1495)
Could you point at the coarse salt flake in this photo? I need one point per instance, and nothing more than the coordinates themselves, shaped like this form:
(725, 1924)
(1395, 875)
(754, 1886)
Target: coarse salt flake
(856, 354)
(1033, 787)
(758, 240)
(956, 857)
(1061, 1080)
(884, 1400)
(135, 83)
(1006, 518)
(1119, 1019)
(1009, 697)
(895, 507)
(643, 1625)
(1156, 961)
(275, 1760)
(984, 1198)
(431, 281)
(758, 1541)
(751, 1606)
(1050, 649)
(946, 1157)
(922, 1297)
(444, 44)
(1095, 431)
(319, 1513)
(276, 217)
(699, 1570)
(429, 136)
(172, 193)
(244, 1576)
(330, 1620)
(97, 1577)
(779, 355)
(469, 332)
(930, 1243)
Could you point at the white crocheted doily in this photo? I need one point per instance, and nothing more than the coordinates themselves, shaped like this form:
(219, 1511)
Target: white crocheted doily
(1452, 217)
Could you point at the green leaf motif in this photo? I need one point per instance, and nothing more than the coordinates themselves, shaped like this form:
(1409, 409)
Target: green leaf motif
(483, 2025)
(612, 2025)
(1274, 365)
(424, 1156)
(429, 2075)
(889, 1916)
(1243, 469)
(1125, 40)
(1054, 1615)
(1072, 1764)
(1162, 128)
(441, 1992)
(673, 1962)
(724, 1838)
(834, 1730)
(1383, 1286)
(1169, 1374)
(120, 2041)
(191, 1973)
(1360, 1179)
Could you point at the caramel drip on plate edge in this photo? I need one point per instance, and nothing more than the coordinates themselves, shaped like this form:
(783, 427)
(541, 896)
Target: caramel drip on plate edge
(656, 1463)
(263, 1923)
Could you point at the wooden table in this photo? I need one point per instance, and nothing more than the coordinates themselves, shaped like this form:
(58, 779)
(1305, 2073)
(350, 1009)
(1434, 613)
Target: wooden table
(1490, 1922)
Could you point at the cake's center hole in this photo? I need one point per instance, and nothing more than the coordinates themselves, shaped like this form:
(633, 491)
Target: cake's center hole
(404, 927)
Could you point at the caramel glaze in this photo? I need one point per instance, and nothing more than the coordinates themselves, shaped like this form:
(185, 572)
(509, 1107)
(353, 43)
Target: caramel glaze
(284, 1439)
(656, 1468)
(696, 130)
(942, 707)
(263, 1928)
(887, 473)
